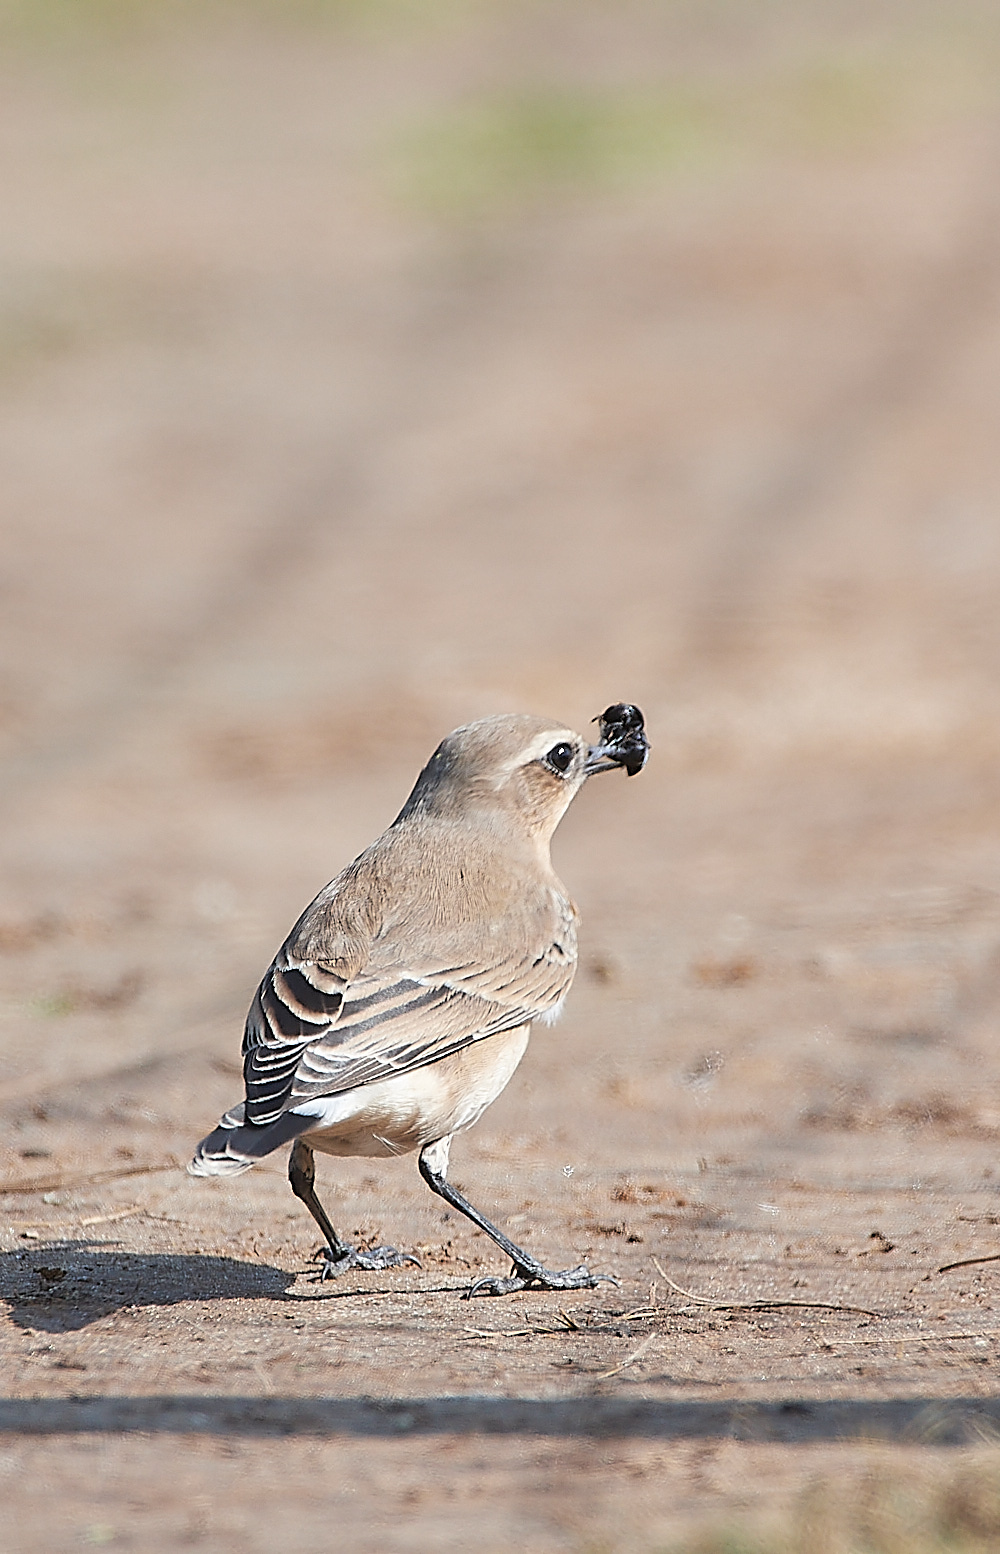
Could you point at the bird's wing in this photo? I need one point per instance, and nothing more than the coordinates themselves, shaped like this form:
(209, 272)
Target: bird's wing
(297, 1003)
(313, 1032)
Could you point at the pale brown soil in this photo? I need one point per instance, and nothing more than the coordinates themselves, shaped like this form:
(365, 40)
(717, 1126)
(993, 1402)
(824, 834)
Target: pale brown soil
(301, 469)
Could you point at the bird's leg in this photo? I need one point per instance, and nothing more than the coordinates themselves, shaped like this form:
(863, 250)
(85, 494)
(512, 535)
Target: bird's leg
(528, 1272)
(338, 1256)
(302, 1180)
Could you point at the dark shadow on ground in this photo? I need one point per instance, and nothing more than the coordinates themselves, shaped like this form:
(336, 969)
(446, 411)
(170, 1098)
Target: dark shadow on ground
(66, 1285)
(901, 1421)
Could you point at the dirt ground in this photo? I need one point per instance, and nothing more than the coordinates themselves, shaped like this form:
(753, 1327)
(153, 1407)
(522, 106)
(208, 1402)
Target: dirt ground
(366, 369)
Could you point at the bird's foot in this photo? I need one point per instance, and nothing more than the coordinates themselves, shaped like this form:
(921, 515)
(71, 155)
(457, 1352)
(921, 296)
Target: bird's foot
(535, 1277)
(371, 1259)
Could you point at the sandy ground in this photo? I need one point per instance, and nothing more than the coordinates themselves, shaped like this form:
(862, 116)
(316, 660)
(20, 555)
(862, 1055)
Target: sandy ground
(347, 393)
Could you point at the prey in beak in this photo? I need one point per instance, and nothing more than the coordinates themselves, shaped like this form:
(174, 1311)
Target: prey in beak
(622, 741)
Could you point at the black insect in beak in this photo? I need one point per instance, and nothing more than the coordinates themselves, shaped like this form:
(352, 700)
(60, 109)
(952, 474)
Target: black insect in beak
(623, 741)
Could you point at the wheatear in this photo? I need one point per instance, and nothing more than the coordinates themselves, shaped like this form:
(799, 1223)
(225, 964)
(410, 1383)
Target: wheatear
(401, 1002)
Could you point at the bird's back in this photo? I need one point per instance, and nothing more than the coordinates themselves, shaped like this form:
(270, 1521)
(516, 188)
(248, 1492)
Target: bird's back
(434, 892)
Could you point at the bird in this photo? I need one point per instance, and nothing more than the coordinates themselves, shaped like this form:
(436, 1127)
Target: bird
(401, 1002)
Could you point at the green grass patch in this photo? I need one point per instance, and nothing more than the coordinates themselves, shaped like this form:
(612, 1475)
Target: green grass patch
(96, 21)
(528, 144)
(521, 145)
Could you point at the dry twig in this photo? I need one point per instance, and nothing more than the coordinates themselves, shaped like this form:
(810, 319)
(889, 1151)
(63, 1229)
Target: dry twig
(910, 1338)
(762, 1305)
(630, 1360)
(538, 1329)
(57, 1183)
(967, 1262)
(80, 1224)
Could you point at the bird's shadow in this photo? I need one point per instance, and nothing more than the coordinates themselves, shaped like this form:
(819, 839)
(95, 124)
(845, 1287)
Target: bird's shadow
(65, 1285)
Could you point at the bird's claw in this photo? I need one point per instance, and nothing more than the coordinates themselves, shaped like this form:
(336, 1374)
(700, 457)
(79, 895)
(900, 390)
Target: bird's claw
(539, 1278)
(370, 1260)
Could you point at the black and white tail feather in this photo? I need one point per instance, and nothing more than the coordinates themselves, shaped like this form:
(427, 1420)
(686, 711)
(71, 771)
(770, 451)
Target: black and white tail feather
(235, 1145)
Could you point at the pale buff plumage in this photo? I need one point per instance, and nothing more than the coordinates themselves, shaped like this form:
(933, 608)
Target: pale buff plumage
(401, 1002)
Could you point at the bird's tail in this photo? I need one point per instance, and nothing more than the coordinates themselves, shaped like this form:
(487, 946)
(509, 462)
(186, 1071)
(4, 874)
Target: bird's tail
(236, 1145)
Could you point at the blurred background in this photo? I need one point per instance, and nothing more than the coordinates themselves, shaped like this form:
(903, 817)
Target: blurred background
(371, 365)
(368, 366)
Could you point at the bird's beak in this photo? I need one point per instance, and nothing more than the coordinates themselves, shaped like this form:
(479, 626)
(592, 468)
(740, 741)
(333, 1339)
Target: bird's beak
(623, 742)
(608, 757)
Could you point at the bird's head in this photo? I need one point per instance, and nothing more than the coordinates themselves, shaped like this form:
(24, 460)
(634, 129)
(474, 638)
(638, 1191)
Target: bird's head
(523, 768)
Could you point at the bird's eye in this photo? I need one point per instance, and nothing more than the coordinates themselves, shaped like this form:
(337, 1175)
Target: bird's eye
(559, 757)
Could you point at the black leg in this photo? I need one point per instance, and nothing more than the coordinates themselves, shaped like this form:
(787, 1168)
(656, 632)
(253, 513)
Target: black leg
(338, 1256)
(302, 1180)
(528, 1272)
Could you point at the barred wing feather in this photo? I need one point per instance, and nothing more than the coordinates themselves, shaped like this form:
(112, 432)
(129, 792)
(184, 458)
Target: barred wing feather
(310, 1034)
(296, 1003)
